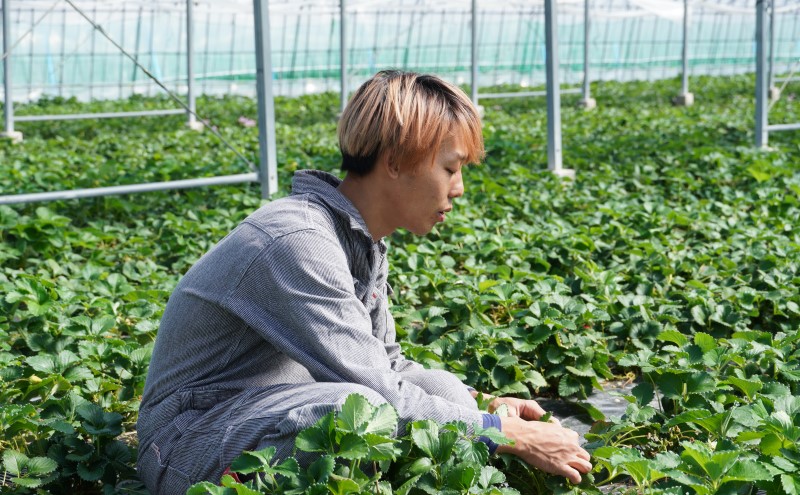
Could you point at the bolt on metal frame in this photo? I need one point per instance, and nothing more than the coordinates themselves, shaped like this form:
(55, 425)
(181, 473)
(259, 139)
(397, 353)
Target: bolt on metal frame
(267, 173)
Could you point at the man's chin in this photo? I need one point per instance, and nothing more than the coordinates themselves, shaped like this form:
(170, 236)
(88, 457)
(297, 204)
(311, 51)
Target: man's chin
(421, 231)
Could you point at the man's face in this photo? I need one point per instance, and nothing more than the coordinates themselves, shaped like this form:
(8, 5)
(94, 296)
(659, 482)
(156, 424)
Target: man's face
(425, 196)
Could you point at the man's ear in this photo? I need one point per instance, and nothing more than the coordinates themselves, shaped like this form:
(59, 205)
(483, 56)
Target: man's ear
(390, 166)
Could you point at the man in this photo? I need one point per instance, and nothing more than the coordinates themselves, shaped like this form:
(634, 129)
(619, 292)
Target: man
(284, 318)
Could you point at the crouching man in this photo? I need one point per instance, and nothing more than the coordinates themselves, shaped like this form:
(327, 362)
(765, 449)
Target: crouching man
(287, 315)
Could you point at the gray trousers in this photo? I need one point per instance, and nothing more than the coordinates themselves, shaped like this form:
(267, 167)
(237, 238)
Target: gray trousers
(209, 428)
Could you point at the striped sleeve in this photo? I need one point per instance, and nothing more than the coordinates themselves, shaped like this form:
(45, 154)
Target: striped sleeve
(299, 295)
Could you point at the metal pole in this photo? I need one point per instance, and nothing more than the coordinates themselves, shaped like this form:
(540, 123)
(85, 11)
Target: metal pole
(685, 98)
(129, 189)
(761, 76)
(685, 78)
(587, 101)
(771, 76)
(554, 160)
(342, 56)
(136, 45)
(191, 121)
(7, 95)
(586, 21)
(268, 164)
(474, 52)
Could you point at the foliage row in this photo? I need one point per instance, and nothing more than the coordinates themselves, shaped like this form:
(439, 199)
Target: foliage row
(672, 260)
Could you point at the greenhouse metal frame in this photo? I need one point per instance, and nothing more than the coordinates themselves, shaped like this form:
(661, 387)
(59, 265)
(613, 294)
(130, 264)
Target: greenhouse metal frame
(764, 73)
(268, 168)
(267, 173)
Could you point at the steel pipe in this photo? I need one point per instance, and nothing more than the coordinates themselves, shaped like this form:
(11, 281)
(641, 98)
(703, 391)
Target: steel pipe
(129, 189)
(106, 115)
(268, 162)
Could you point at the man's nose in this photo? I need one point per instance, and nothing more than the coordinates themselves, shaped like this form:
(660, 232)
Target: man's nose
(458, 188)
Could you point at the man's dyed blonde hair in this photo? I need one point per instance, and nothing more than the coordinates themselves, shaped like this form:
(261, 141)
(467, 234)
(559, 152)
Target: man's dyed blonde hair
(405, 116)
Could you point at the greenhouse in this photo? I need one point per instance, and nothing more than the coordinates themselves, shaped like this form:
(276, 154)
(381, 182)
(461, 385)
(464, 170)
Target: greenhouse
(360, 246)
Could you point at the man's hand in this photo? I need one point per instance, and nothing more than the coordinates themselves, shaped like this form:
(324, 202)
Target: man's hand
(525, 409)
(547, 446)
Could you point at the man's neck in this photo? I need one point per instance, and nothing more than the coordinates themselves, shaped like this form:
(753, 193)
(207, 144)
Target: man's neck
(368, 198)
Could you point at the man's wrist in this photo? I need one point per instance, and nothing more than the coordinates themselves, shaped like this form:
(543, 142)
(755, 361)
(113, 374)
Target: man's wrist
(491, 421)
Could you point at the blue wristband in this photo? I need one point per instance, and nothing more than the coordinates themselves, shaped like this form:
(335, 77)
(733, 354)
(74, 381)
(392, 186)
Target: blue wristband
(491, 420)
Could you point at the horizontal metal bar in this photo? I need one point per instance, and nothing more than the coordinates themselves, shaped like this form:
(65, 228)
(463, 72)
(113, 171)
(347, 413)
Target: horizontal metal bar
(128, 189)
(781, 79)
(520, 94)
(105, 115)
(784, 127)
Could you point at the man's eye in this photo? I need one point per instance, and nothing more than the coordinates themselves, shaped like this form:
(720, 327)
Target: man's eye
(451, 172)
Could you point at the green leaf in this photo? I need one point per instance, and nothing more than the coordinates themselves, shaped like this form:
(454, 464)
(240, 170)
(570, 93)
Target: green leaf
(643, 393)
(461, 477)
(704, 341)
(790, 484)
(39, 466)
(426, 436)
(98, 422)
(355, 414)
(319, 437)
(383, 421)
(251, 462)
(699, 315)
(27, 482)
(418, 467)
(14, 461)
(91, 472)
(688, 416)
(381, 448)
(205, 487)
(342, 486)
(320, 470)
(353, 446)
(406, 487)
(490, 476)
(673, 336)
(492, 434)
(746, 470)
(784, 464)
(473, 452)
(749, 387)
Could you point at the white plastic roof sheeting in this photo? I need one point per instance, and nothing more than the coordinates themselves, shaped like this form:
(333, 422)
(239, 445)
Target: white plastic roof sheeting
(667, 9)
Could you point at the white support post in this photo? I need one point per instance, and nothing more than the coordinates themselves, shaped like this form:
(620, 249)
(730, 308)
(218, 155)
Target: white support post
(8, 107)
(762, 133)
(685, 98)
(774, 92)
(268, 163)
(191, 120)
(473, 44)
(587, 101)
(342, 56)
(554, 157)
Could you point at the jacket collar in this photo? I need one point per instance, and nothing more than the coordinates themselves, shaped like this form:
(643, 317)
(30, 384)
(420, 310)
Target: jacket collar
(324, 186)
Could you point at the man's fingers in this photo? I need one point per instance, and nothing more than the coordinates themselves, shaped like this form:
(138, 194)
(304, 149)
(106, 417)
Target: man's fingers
(535, 411)
(571, 474)
(581, 465)
(584, 455)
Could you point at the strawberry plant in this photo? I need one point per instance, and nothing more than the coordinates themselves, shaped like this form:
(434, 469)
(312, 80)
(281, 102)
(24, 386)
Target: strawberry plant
(672, 261)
